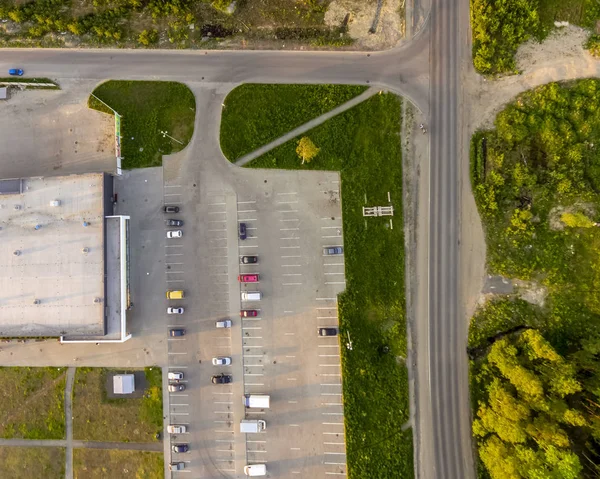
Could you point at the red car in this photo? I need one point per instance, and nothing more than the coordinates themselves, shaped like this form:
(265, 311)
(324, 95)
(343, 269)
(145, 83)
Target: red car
(247, 313)
(248, 278)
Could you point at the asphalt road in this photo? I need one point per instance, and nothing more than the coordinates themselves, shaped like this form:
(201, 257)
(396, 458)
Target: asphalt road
(427, 71)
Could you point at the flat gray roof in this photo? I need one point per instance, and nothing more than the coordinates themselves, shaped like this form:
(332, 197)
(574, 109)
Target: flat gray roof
(52, 277)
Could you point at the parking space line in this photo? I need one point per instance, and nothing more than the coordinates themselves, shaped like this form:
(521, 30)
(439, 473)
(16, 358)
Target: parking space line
(223, 402)
(246, 219)
(330, 218)
(224, 440)
(288, 311)
(294, 425)
(257, 452)
(255, 384)
(329, 365)
(332, 404)
(291, 265)
(290, 238)
(329, 227)
(332, 413)
(289, 334)
(334, 264)
(329, 355)
(287, 193)
(326, 299)
(248, 246)
(246, 211)
(287, 202)
(288, 274)
(335, 463)
(335, 282)
(295, 256)
(334, 236)
(289, 247)
(290, 357)
(335, 375)
(331, 433)
(253, 355)
(330, 384)
(175, 354)
(172, 186)
(291, 284)
(290, 219)
(328, 345)
(292, 379)
(253, 337)
(334, 443)
(289, 229)
(250, 328)
(287, 211)
(331, 274)
(173, 246)
(294, 448)
(326, 317)
(257, 442)
(179, 413)
(246, 202)
(253, 374)
(292, 402)
(332, 423)
(254, 365)
(175, 281)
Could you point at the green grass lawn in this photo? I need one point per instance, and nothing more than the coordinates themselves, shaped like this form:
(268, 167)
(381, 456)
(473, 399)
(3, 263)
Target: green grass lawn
(32, 462)
(255, 114)
(363, 143)
(32, 403)
(148, 108)
(98, 418)
(109, 464)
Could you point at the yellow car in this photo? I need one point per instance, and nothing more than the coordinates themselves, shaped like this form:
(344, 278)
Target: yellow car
(175, 294)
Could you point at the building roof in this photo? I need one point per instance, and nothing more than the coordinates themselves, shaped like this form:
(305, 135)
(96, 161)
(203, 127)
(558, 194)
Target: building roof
(3, 93)
(51, 265)
(123, 383)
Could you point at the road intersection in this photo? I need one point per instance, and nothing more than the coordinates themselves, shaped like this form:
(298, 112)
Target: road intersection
(427, 71)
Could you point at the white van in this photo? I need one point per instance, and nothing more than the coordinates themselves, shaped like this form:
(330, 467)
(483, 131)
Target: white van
(259, 401)
(251, 296)
(252, 425)
(255, 470)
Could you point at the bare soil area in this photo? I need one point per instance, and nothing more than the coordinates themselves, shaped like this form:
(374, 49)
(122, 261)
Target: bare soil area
(371, 30)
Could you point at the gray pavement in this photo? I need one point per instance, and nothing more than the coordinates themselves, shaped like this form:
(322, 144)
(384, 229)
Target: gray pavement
(290, 216)
(122, 446)
(431, 82)
(306, 127)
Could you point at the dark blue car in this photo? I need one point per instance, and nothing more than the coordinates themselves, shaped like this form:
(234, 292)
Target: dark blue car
(15, 72)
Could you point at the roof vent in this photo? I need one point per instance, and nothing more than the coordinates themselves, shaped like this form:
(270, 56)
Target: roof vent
(97, 300)
(85, 250)
(17, 252)
(36, 301)
(55, 203)
(17, 207)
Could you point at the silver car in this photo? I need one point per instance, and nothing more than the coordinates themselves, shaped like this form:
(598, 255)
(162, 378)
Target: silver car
(221, 361)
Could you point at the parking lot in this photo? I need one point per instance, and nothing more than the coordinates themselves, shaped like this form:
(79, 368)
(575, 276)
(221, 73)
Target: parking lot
(289, 219)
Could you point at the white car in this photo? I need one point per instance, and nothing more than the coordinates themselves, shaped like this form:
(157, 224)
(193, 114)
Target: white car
(224, 323)
(176, 376)
(175, 310)
(174, 234)
(221, 361)
(176, 429)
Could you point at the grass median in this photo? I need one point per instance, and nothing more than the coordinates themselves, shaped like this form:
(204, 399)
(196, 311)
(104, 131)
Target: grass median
(100, 418)
(32, 403)
(32, 462)
(157, 118)
(101, 464)
(255, 115)
(363, 143)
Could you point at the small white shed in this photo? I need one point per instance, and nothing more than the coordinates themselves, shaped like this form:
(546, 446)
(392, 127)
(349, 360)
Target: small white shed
(123, 383)
(3, 93)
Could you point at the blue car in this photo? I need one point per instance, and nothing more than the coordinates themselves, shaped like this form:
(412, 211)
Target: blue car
(15, 71)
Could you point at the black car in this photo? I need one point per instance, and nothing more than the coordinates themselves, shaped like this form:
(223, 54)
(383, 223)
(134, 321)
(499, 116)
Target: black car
(176, 332)
(242, 231)
(180, 448)
(174, 222)
(328, 331)
(249, 259)
(221, 379)
(171, 209)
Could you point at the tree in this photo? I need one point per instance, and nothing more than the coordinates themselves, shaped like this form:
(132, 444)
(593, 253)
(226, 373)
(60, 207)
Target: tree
(148, 37)
(306, 149)
(576, 220)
